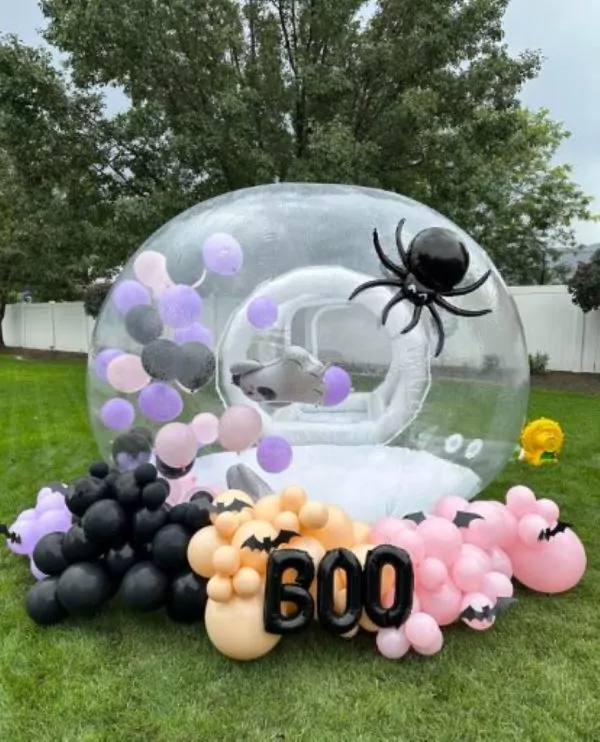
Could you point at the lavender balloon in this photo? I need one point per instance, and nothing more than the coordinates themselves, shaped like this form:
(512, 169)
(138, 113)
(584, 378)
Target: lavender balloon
(223, 254)
(117, 414)
(337, 386)
(27, 516)
(180, 306)
(195, 333)
(103, 360)
(160, 402)
(29, 534)
(53, 501)
(129, 294)
(53, 521)
(262, 312)
(274, 454)
(37, 573)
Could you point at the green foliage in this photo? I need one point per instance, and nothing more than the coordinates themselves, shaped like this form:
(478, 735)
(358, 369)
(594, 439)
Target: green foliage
(94, 297)
(538, 363)
(584, 284)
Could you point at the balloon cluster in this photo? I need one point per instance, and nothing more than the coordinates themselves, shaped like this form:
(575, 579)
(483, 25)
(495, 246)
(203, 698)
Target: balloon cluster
(122, 538)
(465, 556)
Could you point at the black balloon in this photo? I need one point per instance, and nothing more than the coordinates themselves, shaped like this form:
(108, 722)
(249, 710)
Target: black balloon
(145, 474)
(178, 514)
(169, 547)
(147, 522)
(133, 443)
(396, 614)
(83, 492)
(346, 561)
(83, 589)
(60, 487)
(297, 592)
(185, 266)
(161, 359)
(196, 366)
(186, 598)
(105, 524)
(170, 472)
(77, 548)
(99, 469)
(143, 323)
(155, 494)
(128, 490)
(198, 513)
(48, 554)
(144, 587)
(42, 604)
(118, 562)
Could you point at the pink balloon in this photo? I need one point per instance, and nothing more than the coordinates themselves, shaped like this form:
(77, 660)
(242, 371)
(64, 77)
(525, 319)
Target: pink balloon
(416, 604)
(411, 542)
(548, 509)
(386, 529)
(530, 527)
(467, 574)
(478, 601)
(442, 539)
(432, 573)
(501, 562)
(126, 374)
(553, 566)
(392, 643)
(520, 500)
(150, 268)
(443, 604)
(421, 630)
(176, 445)
(433, 648)
(206, 428)
(496, 585)
(487, 531)
(240, 427)
(508, 529)
(475, 552)
(447, 507)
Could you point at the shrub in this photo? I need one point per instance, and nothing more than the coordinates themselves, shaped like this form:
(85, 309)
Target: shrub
(584, 284)
(94, 298)
(538, 364)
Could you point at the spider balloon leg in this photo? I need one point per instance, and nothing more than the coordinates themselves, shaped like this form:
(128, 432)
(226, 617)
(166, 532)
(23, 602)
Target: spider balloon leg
(400, 296)
(471, 287)
(441, 302)
(391, 266)
(437, 320)
(414, 321)
(399, 245)
(372, 285)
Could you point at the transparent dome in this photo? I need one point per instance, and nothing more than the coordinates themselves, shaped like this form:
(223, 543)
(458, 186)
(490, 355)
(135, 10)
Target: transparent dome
(243, 303)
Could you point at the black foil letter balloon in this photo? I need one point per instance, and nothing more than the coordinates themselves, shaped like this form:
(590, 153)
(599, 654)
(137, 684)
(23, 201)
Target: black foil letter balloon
(339, 623)
(399, 611)
(296, 592)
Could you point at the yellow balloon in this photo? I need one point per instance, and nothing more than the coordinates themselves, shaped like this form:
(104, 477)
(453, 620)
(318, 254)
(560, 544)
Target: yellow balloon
(200, 551)
(237, 629)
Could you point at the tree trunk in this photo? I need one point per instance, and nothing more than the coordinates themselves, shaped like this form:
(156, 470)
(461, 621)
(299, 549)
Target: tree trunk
(2, 313)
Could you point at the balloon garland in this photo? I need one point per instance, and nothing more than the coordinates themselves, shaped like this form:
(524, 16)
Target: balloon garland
(257, 569)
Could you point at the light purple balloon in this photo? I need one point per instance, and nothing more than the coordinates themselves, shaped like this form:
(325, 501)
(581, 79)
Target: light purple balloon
(42, 494)
(53, 521)
(129, 294)
(160, 402)
(337, 386)
(37, 573)
(223, 254)
(53, 501)
(117, 414)
(274, 454)
(27, 516)
(102, 361)
(180, 306)
(29, 533)
(262, 312)
(196, 333)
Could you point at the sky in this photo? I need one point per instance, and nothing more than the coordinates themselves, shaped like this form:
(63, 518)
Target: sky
(569, 87)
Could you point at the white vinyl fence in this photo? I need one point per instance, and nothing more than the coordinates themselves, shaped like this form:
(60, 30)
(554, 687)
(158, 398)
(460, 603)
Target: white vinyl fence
(553, 325)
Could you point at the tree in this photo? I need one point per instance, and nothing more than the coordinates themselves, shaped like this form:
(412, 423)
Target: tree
(584, 284)
(419, 98)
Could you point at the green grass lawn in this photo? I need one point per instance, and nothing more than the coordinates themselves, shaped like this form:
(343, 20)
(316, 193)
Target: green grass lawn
(123, 678)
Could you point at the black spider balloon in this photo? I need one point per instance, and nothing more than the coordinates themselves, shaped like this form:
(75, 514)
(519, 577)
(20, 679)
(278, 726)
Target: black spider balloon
(435, 262)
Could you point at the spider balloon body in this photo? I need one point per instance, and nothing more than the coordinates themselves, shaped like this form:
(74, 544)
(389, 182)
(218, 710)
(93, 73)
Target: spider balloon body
(432, 266)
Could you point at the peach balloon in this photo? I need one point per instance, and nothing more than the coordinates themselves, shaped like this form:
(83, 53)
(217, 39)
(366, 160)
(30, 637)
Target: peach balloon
(219, 589)
(201, 549)
(311, 546)
(228, 497)
(246, 582)
(478, 601)
(337, 533)
(287, 521)
(362, 533)
(226, 561)
(175, 445)
(236, 628)
(126, 374)
(267, 508)
(313, 515)
(553, 566)
(240, 427)
(442, 539)
(351, 634)
(259, 529)
(293, 498)
(227, 524)
(442, 604)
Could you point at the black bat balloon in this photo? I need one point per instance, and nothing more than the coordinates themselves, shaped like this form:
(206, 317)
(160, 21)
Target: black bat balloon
(488, 612)
(547, 533)
(464, 520)
(416, 517)
(14, 538)
(235, 506)
(267, 544)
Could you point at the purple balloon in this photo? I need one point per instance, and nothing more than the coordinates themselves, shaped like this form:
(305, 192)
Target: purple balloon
(274, 454)
(27, 515)
(53, 501)
(180, 306)
(195, 333)
(102, 361)
(223, 254)
(262, 312)
(37, 573)
(129, 294)
(53, 521)
(29, 534)
(130, 462)
(160, 402)
(117, 414)
(337, 386)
